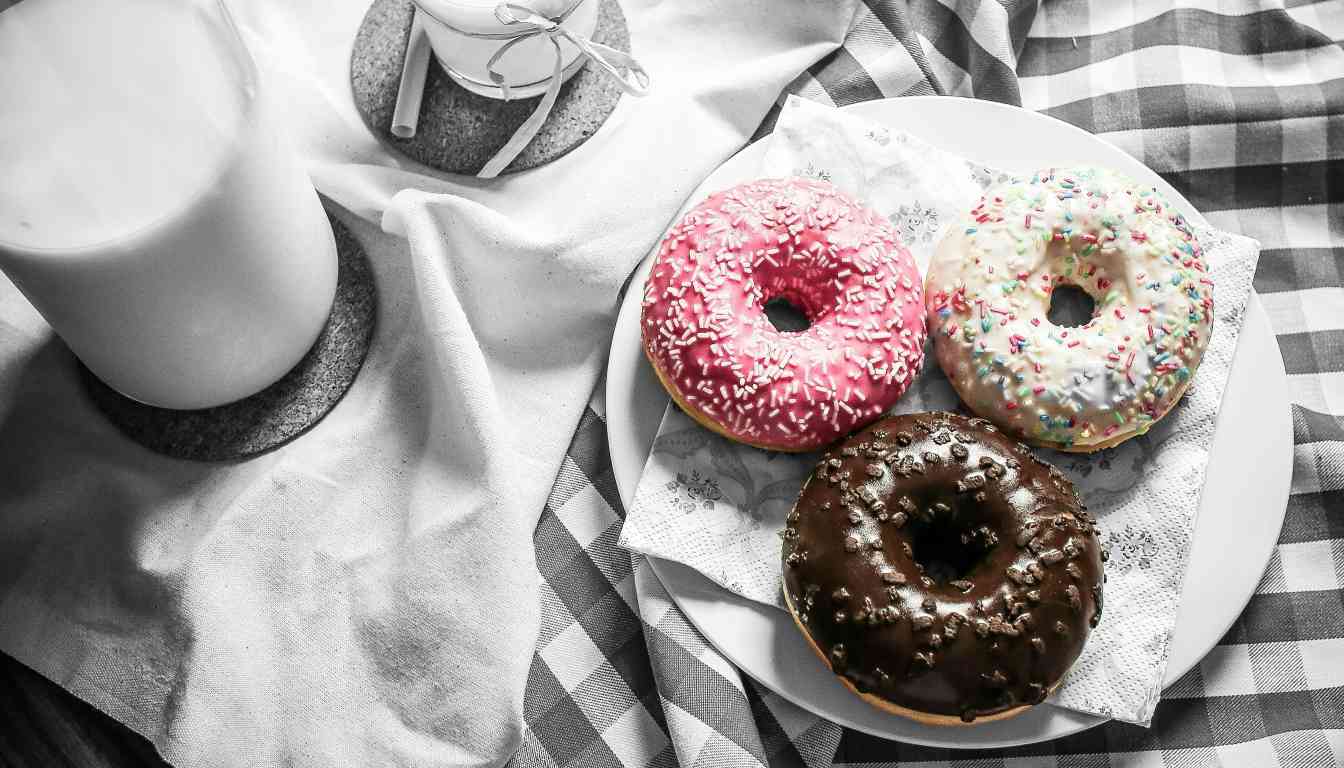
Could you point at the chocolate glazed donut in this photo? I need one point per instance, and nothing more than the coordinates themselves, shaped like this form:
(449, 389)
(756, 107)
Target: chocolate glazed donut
(942, 570)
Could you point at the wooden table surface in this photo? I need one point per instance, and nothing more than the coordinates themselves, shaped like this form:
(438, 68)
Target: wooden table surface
(43, 726)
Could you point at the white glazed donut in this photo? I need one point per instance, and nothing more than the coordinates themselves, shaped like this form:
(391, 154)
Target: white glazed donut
(989, 289)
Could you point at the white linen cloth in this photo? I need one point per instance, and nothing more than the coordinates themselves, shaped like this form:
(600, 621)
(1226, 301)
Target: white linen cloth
(368, 594)
(719, 506)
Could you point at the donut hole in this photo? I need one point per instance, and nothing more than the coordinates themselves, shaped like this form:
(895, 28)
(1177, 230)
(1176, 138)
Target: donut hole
(1071, 306)
(786, 316)
(949, 546)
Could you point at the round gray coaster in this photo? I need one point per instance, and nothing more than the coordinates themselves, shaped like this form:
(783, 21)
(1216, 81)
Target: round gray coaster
(459, 130)
(282, 411)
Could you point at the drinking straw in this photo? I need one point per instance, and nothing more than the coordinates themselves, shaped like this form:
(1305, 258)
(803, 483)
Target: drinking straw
(414, 68)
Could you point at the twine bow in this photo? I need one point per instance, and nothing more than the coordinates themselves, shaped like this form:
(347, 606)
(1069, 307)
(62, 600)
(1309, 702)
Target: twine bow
(621, 66)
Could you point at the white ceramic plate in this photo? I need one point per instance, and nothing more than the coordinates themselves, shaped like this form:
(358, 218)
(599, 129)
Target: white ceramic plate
(1245, 491)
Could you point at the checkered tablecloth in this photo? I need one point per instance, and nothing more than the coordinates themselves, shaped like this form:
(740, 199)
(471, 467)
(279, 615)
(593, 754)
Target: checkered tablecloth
(1238, 104)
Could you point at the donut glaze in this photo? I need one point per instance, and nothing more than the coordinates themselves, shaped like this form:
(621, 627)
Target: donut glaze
(942, 570)
(706, 333)
(989, 290)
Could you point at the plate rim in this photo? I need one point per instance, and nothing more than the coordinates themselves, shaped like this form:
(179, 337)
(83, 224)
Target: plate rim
(873, 109)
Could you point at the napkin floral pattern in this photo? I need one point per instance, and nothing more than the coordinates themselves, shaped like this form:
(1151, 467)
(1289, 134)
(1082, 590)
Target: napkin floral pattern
(719, 506)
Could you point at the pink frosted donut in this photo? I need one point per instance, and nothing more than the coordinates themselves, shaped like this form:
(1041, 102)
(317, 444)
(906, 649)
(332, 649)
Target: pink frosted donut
(841, 264)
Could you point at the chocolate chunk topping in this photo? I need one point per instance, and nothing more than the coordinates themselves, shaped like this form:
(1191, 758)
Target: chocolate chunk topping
(997, 626)
(995, 679)
(838, 656)
(921, 661)
(1027, 533)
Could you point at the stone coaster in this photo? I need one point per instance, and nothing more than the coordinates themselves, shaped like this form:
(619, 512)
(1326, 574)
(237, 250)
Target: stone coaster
(282, 411)
(459, 130)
